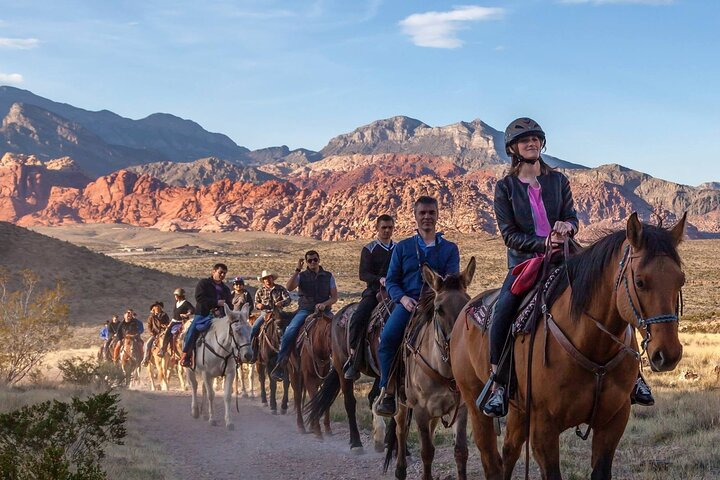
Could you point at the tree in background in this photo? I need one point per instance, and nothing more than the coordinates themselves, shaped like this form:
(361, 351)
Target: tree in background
(32, 321)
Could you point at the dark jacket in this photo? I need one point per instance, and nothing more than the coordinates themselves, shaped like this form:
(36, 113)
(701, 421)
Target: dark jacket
(133, 327)
(113, 328)
(207, 297)
(239, 300)
(157, 323)
(514, 213)
(404, 276)
(313, 288)
(185, 308)
(374, 263)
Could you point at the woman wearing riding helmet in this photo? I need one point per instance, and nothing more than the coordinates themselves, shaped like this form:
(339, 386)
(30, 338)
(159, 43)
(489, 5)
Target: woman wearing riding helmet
(532, 202)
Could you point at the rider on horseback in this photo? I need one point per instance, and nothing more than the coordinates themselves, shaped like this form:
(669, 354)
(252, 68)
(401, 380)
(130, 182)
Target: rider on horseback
(211, 295)
(531, 202)
(157, 321)
(183, 311)
(130, 326)
(267, 298)
(318, 292)
(404, 284)
(108, 334)
(374, 262)
(240, 296)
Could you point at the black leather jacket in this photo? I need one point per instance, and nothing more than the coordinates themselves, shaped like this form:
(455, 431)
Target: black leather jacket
(514, 213)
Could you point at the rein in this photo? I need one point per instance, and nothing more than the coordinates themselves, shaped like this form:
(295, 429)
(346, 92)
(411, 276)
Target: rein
(309, 343)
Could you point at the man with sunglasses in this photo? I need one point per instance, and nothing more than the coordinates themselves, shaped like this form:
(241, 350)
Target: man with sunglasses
(211, 295)
(317, 290)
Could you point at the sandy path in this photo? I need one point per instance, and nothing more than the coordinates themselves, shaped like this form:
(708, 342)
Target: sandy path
(262, 446)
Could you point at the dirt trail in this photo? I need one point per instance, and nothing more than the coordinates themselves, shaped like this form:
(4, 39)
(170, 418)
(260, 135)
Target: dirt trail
(262, 446)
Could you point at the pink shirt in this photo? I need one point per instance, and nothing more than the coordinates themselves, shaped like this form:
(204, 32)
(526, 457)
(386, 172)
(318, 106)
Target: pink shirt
(542, 225)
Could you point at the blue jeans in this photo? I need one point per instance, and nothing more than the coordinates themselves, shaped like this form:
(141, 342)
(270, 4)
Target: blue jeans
(291, 333)
(503, 316)
(257, 325)
(390, 340)
(192, 331)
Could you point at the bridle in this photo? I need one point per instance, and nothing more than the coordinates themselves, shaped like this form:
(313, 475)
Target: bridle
(641, 322)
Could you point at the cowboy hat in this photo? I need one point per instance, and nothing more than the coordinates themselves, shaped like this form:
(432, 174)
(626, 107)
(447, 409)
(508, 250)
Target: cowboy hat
(265, 273)
(157, 304)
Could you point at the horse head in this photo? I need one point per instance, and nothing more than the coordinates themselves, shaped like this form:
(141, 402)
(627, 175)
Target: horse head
(450, 296)
(648, 288)
(240, 329)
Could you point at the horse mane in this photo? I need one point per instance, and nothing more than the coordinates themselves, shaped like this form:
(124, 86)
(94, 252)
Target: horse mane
(585, 270)
(426, 303)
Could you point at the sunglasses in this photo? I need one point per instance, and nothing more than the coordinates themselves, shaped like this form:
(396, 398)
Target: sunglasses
(313, 260)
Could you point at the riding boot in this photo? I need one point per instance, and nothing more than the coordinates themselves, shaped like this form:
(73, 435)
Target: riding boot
(385, 405)
(496, 406)
(278, 373)
(186, 360)
(351, 370)
(641, 393)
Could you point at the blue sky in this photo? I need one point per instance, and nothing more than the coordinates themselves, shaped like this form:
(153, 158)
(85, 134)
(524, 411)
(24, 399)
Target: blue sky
(611, 81)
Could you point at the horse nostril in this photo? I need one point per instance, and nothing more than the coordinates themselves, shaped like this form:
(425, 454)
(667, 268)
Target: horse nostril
(658, 360)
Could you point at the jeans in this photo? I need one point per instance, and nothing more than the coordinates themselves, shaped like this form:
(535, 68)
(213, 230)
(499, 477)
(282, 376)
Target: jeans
(503, 316)
(291, 333)
(390, 340)
(257, 325)
(191, 334)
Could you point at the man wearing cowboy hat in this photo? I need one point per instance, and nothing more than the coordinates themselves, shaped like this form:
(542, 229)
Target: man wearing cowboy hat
(267, 298)
(156, 322)
(183, 311)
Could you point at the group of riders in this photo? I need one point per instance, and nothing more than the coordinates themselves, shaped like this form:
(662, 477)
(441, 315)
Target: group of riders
(533, 206)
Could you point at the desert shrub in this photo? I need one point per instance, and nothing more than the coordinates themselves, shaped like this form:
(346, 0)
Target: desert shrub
(32, 321)
(59, 440)
(90, 372)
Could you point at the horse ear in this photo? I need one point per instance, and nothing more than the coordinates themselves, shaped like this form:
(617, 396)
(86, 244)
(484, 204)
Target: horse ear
(469, 272)
(678, 231)
(431, 278)
(245, 312)
(227, 310)
(634, 231)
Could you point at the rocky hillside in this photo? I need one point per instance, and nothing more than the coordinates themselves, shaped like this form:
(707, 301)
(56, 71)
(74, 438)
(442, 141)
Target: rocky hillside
(87, 277)
(201, 172)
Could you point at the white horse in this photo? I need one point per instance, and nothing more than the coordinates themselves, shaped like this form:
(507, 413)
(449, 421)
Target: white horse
(226, 344)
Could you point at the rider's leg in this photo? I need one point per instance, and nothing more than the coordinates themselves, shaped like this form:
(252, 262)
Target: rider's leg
(641, 393)
(502, 320)
(190, 337)
(116, 351)
(288, 340)
(167, 337)
(148, 350)
(358, 326)
(254, 334)
(390, 340)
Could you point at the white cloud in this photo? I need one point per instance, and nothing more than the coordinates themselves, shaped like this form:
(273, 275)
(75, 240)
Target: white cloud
(608, 2)
(439, 29)
(19, 43)
(11, 78)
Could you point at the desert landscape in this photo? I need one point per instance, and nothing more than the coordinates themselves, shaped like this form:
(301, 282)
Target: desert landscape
(671, 440)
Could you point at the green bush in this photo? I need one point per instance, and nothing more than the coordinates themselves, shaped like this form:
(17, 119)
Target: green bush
(90, 372)
(58, 440)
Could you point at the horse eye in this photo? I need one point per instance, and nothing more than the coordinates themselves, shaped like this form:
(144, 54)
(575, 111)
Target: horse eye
(639, 283)
(438, 310)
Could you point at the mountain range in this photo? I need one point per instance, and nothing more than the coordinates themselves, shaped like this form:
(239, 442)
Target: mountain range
(63, 164)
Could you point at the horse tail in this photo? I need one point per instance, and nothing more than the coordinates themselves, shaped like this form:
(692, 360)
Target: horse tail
(391, 442)
(324, 398)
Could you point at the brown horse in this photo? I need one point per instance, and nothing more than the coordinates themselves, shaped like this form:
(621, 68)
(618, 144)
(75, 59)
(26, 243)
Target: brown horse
(165, 364)
(131, 354)
(430, 390)
(310, 365)
(336, 382)
(269, 346)
(584, 371)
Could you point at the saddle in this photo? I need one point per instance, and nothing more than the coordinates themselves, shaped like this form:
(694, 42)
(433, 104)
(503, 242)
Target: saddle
(310, 320)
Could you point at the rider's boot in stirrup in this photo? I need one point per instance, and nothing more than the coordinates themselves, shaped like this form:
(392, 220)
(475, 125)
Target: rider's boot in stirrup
(496, 406)
(641, 393)
(185, 360)
(385, 405)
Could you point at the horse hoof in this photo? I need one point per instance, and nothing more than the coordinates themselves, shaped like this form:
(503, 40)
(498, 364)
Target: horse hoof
(284, 411)
(358, 450)
(264, 402)
(329, 433)
(379, 447)
(213, 423)
(195, 414)
(400, 473)
(274, 412)
(244, 395)
(230, 427)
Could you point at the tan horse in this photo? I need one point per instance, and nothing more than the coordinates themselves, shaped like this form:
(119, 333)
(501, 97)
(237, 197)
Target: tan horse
(131, 354)
(584, 370)
(430, 391)
(310, 365)
(164, 365)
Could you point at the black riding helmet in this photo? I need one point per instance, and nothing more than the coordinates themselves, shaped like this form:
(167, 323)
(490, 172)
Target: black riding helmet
(522, 127)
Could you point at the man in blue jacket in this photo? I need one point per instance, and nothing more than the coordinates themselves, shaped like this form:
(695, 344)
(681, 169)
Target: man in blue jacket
(404, 284)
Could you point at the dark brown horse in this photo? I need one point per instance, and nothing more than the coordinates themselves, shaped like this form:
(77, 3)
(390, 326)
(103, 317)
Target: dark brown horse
(335, 382)
(584, 362)
(310, 365)
(430, 390)
(269, 346)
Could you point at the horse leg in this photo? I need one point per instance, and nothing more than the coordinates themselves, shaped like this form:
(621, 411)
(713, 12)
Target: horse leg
(273, 400)
(210, 391)
(251, 379)
(401, 432)
(242, 372)
(160, 366)
(150, 376)
(545, 442)
(181, 376)
(286, 392)
(484, 436)
(514, 440)
(261, 375)
(194, 410)
(426, 429)
(378, 421)
(605, 441)
(297, 386)
(461, 448)
(229, 382)
(346, 386)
